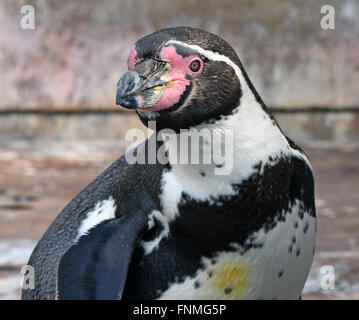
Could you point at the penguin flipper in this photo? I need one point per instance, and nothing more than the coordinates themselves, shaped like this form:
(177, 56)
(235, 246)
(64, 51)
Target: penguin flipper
(96, 266)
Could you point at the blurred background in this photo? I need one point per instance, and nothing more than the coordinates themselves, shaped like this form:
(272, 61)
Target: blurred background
(59, 126)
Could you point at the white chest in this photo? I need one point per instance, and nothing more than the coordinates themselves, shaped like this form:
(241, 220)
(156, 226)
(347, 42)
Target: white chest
(277, 269)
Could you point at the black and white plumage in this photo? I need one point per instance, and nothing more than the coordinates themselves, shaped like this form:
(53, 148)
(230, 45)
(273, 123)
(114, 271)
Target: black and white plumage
(180, 231)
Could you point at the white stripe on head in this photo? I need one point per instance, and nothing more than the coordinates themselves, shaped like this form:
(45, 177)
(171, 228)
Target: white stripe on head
(248, 97)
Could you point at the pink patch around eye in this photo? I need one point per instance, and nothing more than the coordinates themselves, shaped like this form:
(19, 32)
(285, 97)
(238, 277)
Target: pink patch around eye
(132, 58)
(178, 81)
(179, 64)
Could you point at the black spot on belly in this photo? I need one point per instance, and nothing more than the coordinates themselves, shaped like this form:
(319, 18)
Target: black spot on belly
(228, 290)
(297, 252)
(296, 225)
(280, 273)
(196, 284)
(202, 266)
(294, 239)
(210, 274)
(300, 214)
(202, 173)
(290, 249)
(306, 226)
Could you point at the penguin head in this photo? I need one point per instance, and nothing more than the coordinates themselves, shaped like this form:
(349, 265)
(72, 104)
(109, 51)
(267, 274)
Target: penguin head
(181, 77)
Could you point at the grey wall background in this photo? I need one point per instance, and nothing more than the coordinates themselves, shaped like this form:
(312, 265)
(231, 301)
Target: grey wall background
(73, 59)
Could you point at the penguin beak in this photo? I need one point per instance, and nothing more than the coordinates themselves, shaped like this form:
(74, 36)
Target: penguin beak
(143, 87)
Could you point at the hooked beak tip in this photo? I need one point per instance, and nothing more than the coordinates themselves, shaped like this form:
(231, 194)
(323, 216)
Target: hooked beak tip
(118, 96)
(124, 88)
(135, 91)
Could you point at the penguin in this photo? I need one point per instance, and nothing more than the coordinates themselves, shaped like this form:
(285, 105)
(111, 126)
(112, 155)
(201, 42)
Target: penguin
(240, 226)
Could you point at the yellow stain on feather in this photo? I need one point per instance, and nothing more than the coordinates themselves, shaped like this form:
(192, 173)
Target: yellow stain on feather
(231, 280)
(226, 280)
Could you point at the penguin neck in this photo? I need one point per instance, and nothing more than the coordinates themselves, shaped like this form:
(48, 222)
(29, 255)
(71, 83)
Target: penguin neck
(248, 137)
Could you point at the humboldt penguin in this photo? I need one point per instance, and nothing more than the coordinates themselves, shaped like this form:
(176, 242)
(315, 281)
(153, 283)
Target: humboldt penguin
(227, 212)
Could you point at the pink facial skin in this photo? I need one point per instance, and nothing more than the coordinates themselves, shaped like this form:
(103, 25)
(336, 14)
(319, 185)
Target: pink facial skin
(132, 58)
(177, 81)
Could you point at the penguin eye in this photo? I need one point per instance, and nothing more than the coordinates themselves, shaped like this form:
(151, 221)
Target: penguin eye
(195, 65)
